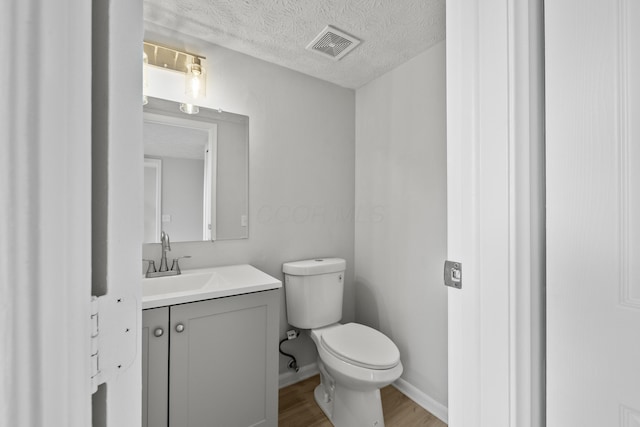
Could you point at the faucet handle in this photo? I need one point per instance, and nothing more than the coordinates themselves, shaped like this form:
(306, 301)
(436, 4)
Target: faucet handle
(152, 266)
(175, 266)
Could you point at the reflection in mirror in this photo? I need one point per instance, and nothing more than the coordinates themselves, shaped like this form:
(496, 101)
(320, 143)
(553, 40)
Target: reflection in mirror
(196, 173)
(179, 178)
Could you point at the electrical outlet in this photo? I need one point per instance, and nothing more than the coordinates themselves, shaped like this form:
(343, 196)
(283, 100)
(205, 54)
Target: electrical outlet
(292, 334)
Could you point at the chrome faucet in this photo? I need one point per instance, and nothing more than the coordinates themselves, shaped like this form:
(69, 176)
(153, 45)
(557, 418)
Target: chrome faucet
(164, 268)
(166, 246)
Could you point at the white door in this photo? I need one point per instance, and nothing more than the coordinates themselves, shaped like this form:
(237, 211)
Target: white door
(45, 213)
(593, 212)
(53, 251)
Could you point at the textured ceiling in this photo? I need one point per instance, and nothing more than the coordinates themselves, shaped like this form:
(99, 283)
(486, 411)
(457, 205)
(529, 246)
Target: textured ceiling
(277, 31)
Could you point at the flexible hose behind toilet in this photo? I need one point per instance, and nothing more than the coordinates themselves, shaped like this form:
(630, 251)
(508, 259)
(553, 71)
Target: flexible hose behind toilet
(293, 364)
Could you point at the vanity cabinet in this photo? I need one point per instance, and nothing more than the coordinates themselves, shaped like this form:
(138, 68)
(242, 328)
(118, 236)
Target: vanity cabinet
(219, 363)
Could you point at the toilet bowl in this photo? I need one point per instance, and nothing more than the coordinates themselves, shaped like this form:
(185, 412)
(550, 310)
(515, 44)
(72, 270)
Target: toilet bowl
(354, 360)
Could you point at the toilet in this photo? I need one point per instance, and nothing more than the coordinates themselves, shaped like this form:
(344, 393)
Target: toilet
(354, 360)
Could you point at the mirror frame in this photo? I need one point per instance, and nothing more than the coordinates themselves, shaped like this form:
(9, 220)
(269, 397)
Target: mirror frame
(167, 112)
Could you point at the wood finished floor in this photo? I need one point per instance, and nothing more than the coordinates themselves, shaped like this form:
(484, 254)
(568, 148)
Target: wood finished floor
(297, 408)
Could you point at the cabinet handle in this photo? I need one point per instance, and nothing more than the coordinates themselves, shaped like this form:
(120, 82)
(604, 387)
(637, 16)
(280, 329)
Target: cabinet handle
(179, 327)
(158, 332)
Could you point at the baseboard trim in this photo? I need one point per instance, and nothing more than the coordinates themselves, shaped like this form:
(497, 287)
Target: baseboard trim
(291, 377)
(422, 399)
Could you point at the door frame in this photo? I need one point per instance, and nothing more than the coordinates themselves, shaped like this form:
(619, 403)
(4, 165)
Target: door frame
(495, 179)
(154, 165)
(117, 198)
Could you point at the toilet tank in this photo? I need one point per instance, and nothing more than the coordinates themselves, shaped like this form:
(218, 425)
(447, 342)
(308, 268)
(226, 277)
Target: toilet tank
(314, 290)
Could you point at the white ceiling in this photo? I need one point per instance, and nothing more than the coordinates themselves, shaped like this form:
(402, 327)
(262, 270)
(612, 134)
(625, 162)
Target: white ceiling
(277, 31)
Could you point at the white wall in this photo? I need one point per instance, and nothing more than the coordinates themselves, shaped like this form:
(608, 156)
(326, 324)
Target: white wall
(400, 245)
(301, 157)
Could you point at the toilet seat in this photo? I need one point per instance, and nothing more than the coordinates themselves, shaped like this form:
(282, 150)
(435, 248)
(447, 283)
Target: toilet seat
(361, 346)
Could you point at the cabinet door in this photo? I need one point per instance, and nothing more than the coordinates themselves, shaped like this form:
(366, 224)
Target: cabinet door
(224, 363)
(155, 367)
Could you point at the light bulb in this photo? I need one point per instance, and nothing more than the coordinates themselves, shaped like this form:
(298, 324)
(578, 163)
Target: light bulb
(195, 87)
(189, 108)
(195, 83)
(145, 79)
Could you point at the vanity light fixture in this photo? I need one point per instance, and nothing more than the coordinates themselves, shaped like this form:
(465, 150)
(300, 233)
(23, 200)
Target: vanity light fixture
(191, 65)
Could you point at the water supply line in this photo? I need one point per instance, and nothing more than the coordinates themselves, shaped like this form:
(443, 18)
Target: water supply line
(291, 335)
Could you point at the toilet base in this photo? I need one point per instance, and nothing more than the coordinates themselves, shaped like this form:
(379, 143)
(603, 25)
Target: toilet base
(350, 408)
(323, 401)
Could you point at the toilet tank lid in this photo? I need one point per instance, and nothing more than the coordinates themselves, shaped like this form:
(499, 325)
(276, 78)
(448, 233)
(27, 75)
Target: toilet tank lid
(311, 267)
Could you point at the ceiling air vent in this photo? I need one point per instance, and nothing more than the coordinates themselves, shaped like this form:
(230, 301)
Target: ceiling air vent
(333, 43)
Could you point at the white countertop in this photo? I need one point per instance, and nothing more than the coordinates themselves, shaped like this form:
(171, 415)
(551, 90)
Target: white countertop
(205, 283)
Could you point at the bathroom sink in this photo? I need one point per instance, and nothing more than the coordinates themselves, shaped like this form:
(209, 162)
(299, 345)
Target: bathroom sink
(186, 282)
(206, 283)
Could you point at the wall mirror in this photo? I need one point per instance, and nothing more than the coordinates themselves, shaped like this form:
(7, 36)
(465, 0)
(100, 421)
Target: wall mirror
(196, 173)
